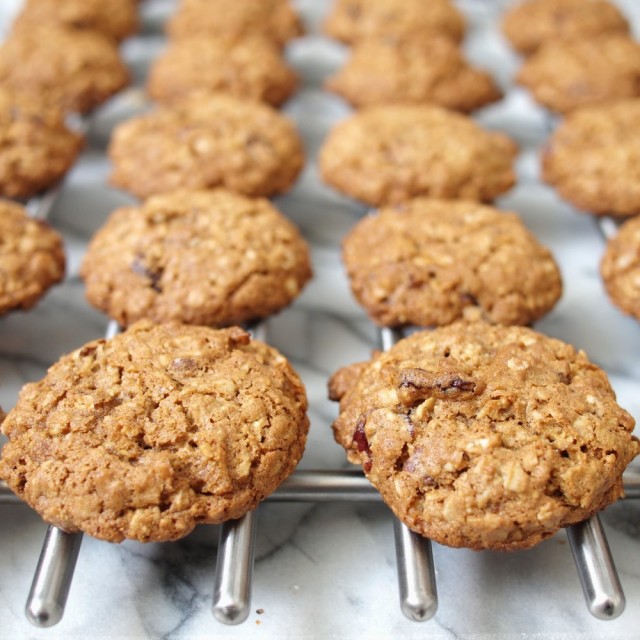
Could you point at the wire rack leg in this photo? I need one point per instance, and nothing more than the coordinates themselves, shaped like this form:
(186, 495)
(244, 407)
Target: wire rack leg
(52, 580)
(596, 569)
(416, 574)
(234, 569)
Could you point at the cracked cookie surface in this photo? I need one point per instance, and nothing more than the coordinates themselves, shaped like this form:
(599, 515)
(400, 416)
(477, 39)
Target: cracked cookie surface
(431, 262)
(484, 436)
(532, 23)
(249, 68)
(274, 19)
(432, 71)
(352, 20)
(73, 70)
(199, 257)
(36, 147)
(154, 431)
(207, 141)
(593, 159)
(31, 258)
(389, 154)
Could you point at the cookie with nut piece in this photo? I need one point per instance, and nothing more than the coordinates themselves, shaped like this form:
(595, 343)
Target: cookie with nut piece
(154, 431)
(199, 257)
(484, 436)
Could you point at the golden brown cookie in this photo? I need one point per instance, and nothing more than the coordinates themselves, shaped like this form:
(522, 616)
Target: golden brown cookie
(199, 257)
(485, 436)
(353, 20)
(31, 258)
(207, 141)
(115, 19)
(74, 70)
(159, 429)
(36, 147)
(532, 23)
(274, 19)
(620, 268)
(593, 159)
(432, 71)
(430, 262)
(385, 155)
(566, 74)
(248, 68)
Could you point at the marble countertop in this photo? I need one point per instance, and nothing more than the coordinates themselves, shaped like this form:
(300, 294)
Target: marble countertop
(325, 571)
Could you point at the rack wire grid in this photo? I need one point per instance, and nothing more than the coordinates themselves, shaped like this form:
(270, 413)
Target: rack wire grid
(325, 329)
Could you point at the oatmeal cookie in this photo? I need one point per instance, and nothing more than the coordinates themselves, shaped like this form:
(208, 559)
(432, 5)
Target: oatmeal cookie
(593, 159)
(532, 23)
(115, 19)
(274, 19)
(74, 70)
(36, 147)
(385, 155)
(249, 68)
(566, 74)
(154, 431)
(31, 258)
(620, 268)
(413, 71)
(485, 436)
(430, 262)
(199, 257)
(207, 141)
(352, 20)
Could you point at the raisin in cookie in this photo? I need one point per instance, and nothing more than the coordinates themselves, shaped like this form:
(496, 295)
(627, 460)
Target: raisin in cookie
(485, 436)
(31, 258)
(36, 147)
(159, 429)
(413, 71)
(353, 20)
(429, 262)
(116, 19)
(620, 268)
(249, 68)
(593, 159)
(532, 23)
(74, 70)
(566, 74)
(274, 19)
(385, 155)
(207, 141)
(200, 257)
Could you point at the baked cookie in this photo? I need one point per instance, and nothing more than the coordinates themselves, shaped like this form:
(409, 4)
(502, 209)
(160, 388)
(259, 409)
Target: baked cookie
(593, 159)
(36, 148)
(413, 71)
(566, 74)
(620, 268)
(249, 68)
(207, 141)
(274, 19)
(430, 262)
(159, 429)
(74, 70)
(199, 257)
(485, 436)
(532, 23)
(352, 20)
(385, 155)
(116, 19)
(31, 258)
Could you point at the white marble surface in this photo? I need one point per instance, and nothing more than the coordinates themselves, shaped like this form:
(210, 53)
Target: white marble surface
(326, 571)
